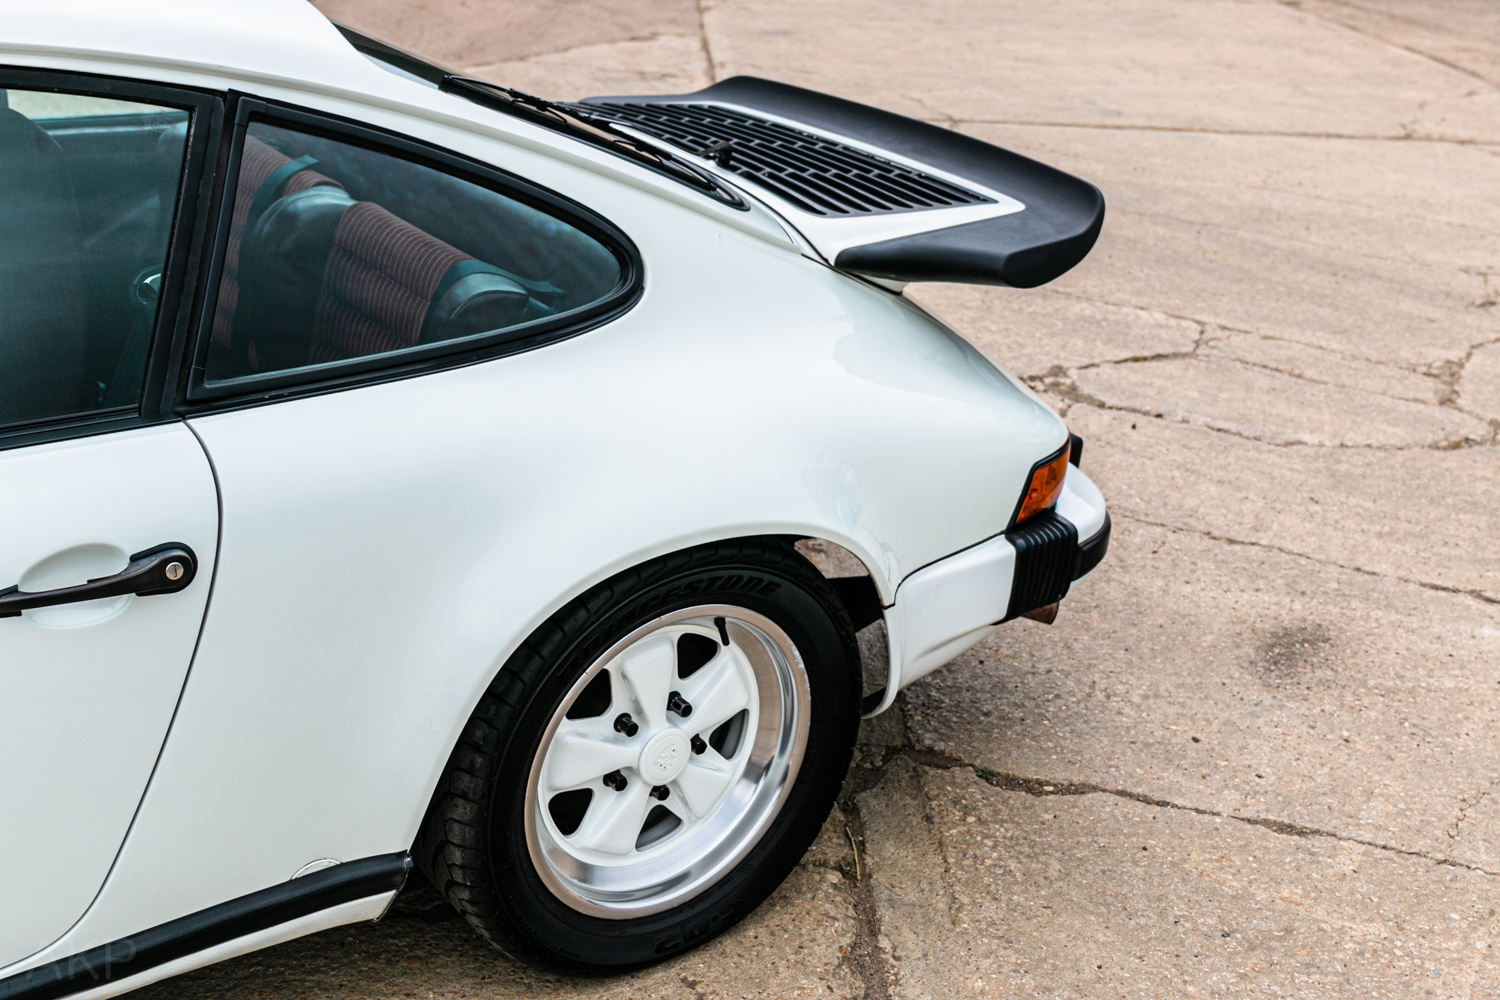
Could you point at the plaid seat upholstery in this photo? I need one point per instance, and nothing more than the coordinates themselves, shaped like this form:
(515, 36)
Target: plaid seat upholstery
(380, 281)
(258, 162)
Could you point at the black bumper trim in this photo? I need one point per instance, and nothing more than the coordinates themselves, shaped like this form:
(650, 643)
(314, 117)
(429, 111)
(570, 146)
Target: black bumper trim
(1048, 559)
(1046, 553)
(257, 911)
(1091, 552)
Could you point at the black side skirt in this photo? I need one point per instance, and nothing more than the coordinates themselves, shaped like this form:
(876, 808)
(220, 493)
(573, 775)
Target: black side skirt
(199, 931)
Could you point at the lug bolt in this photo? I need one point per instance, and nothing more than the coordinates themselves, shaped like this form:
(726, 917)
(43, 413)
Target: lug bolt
(615, 780)
(625, 724)
(660, 793)
(698, 745)
(675, 703)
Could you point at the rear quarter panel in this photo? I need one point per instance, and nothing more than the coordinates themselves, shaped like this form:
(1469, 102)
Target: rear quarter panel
(385, 549)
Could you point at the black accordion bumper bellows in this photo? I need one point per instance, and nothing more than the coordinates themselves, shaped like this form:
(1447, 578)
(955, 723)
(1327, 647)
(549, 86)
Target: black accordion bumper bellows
(1048, 559)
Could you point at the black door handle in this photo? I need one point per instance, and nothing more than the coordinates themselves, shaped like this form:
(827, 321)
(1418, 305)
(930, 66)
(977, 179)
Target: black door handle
(164, 569)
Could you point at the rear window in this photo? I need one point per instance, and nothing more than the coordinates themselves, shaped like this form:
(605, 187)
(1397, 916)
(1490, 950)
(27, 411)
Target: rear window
(337, 251)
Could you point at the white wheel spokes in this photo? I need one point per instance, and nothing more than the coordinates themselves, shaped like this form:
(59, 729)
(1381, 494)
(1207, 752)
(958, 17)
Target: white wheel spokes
(719, 696)
(631, 807)
(581, 759)
(590, 753)
(613, 825)
(702, 782)
(650, 668)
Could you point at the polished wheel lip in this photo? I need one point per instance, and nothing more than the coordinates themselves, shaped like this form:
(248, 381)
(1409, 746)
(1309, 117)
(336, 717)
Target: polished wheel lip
(791, 741)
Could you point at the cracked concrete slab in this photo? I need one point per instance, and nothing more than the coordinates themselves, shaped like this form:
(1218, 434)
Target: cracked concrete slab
(1102, 63)
(660, 64)
(1479, 387)
(464, 33)
(1272, 406)
(564, 50)
(1241, 680)
(1317, 364)
(1464, 34)
(1034, 331)
(1093, 895)
(1371, 250)
(1421, 515)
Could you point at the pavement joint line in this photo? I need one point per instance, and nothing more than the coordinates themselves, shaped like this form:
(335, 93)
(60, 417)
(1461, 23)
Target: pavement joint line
(1477, 595)
(1412, 50)
(952, 122)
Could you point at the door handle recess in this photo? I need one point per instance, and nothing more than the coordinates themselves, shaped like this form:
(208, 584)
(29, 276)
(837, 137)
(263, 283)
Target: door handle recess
(164, 569)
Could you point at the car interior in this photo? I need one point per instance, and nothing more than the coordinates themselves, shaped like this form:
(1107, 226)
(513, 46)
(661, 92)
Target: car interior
(337, 251)
(89, 189)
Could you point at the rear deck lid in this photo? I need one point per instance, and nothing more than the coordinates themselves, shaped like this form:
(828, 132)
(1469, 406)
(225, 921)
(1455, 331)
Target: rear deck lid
(875, 193)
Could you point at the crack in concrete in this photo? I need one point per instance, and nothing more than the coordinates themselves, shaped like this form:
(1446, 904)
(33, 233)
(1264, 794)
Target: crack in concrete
(948, 121)
(1409, 49)
(1059, 382)
(953, 122)
(478, 69)
(1463, 810)
(866, 960)
(1062, 383)
(1205, 324)
(707, 46)
(1477, 595)
(1040, 787)
(1043, 787)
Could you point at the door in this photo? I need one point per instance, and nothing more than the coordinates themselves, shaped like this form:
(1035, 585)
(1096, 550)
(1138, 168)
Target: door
(108, 509)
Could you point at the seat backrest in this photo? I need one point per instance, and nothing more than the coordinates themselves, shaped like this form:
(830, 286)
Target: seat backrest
(381, 279)
(265, 175)
(43, 312)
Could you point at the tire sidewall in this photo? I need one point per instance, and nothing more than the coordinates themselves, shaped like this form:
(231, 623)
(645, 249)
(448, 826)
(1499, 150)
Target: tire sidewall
(825, 643)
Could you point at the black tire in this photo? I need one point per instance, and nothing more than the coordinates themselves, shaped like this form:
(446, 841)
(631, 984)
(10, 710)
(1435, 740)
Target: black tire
(472, 844)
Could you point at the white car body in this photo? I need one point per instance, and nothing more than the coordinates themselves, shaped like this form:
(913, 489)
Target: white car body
(370, 558)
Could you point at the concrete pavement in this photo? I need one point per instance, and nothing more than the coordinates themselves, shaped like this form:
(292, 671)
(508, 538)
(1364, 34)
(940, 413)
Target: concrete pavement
(1257, 753)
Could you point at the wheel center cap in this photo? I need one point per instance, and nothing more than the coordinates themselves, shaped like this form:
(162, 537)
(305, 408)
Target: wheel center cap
(664, 757)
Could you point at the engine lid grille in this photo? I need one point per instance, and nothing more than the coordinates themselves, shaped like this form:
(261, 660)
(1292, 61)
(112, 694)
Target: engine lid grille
(817, 175)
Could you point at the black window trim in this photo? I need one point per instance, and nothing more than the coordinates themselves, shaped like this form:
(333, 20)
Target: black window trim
(184, 247)
(198, 395)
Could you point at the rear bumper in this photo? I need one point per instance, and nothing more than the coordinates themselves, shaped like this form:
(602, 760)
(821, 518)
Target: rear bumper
(943, 609)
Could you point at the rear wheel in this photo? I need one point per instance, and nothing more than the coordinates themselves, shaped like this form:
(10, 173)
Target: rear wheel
(652, 763)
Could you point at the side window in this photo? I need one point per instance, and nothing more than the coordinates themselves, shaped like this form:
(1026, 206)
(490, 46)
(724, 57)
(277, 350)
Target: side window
(88, 189)
(337, 251)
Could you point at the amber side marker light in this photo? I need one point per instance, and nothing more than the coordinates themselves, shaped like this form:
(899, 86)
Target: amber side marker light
(1046, 483)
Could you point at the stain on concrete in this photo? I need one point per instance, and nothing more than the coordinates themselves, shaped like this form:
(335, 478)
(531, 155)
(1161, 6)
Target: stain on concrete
(1292, 652)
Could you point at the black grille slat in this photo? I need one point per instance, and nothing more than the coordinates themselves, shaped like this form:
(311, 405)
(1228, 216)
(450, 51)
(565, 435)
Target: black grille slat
(818, 175)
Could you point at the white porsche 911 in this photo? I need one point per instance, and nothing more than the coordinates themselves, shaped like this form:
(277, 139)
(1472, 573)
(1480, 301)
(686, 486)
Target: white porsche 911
(399, 470)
